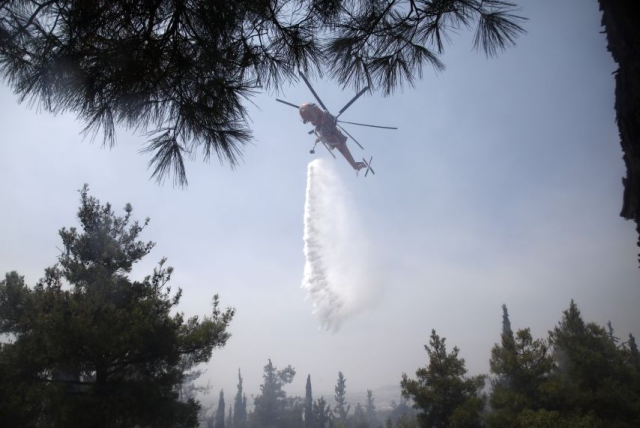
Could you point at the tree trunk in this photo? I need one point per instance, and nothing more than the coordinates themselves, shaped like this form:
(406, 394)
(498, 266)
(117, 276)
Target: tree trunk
(620, 20)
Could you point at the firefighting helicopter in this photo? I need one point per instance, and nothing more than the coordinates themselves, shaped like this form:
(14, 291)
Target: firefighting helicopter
(326, 127)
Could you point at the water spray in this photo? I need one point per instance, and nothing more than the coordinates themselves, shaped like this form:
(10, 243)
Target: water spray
(337, 273)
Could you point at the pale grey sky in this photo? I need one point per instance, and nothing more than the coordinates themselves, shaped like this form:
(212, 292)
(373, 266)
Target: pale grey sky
(502, 185)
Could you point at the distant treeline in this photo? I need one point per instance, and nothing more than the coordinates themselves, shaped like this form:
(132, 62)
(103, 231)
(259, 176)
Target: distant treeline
(87, 346)
(580, 376)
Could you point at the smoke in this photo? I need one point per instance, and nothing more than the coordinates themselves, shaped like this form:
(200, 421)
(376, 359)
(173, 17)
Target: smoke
(338, 274)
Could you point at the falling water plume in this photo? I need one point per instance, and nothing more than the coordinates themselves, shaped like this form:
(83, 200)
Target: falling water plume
(338, 273)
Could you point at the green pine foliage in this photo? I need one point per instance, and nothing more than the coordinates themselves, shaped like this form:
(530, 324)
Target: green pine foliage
(181, 71)
(521, 366)
(308, 405)
(240, 406)
(580, 377)
(272, 408)
(359, 418)
(229, 422)
(322, 414)
(219, 421)
(632, 356)
(591, 377)
(341, 409)
(370, 409)
(441, 392)
(86, 336)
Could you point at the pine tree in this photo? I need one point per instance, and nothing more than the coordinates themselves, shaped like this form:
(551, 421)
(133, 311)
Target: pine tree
(371, 410)
(308, 405)
(441, 392)
(521, 366)
(181, 71)
(591, 380)
(271, 404)
(293, 413)
(322, 414)
(220, 412)
(229, 422)
(612, 337)
(88, 337)
(359, 418)
(631, 357)
(341, 409)
(407, 421)
(240, 406)
(634, 355)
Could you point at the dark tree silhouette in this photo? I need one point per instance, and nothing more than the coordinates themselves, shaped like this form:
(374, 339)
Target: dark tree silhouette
(308, 405)
(371, 409)
(240, 406)
(521, 366)
(591, 374)
(623, 41)
(88, 337)
(341, 409)
(441, 391)
(181, 70)
(219, 422)
(272, 405)
(322, 414)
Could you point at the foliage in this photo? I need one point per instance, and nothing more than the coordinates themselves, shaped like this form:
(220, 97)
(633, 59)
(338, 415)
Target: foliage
(229, 422)
(181, 70)
(587, 381)
(322, 415)
(308, 405)
(406, 421)
(240, 406)
(521, 366)
(592, 377)
(341, 409)
(359, 418)
(631, 352)
(188, 388)
(441, 392)
(271, 406)
(370, 409)
(552, 419)
(87, 336)
(399, 411)
(219, 422)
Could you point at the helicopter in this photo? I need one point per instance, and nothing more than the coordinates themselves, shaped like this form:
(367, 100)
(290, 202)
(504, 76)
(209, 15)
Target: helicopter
(327, 129)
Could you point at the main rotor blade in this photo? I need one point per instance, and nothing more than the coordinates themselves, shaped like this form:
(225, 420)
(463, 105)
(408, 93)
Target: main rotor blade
(353, 100)
(354, 140)
(312, 91)
(370, 126)
(287, 103)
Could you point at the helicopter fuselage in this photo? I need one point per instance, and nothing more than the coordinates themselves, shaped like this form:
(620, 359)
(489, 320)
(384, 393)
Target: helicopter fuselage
(324, 125)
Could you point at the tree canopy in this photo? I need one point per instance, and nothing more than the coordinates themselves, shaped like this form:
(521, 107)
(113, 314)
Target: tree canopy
(239, 406)
(88, 336)
(592, 379)
(579, 377)
(181, 71)
(219, 421)
(308, 404)
(341, 409)
(522, 365)
(272, 406)
(442, 392)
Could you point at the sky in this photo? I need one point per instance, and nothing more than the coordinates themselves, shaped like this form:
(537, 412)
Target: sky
(502, 185)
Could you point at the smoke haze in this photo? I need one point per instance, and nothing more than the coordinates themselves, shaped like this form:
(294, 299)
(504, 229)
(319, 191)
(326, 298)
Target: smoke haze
(338, 276)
